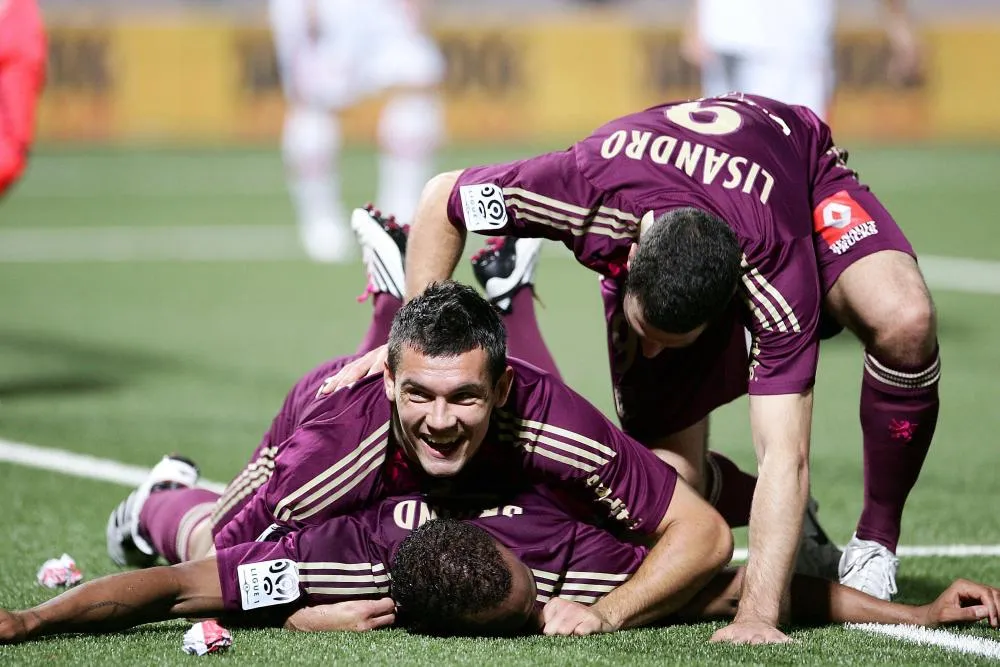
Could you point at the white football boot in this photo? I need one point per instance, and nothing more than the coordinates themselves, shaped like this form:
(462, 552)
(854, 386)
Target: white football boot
(126, 545)
(504, 265)
(383, 250)
(869, 567)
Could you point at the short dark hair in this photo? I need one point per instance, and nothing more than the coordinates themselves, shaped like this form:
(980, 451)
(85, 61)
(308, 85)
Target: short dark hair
(685, 270)
(449, 319)
(444, 574)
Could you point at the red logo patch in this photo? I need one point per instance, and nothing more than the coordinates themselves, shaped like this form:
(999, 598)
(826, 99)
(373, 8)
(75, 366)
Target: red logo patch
(842, 222)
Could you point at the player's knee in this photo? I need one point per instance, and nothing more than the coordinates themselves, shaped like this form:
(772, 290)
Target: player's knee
(412, 123)
(909, 336)
(310, 133)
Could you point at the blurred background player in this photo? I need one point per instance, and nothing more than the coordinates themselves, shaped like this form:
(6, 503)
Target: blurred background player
(783, 49)
(331, 54)
(22, 76)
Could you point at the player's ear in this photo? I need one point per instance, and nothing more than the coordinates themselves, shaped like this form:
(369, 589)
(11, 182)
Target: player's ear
(503, 385)
(389, 380)
(631, 255)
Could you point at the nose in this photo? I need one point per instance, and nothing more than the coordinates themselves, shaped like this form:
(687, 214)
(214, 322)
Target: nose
(440, 417)
(650, 348)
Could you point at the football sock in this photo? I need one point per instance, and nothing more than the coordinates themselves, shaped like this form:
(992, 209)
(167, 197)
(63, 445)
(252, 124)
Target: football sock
(410, 130)
(729, 489)
(899, 411)
(311, 146)
(384, 307)
(524, 338)
(169, 517)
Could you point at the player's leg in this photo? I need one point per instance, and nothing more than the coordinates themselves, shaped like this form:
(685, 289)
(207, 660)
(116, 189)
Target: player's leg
(128, 541)
(311, 135)
(859, 245)
(383, 248)
(505, 268)
(805, 79)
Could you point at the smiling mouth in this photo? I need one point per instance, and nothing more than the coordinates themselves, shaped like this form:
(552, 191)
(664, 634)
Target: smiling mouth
(441, 445)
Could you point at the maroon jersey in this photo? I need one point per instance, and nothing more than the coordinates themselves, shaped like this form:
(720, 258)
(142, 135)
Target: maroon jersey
(749, 160)
(348, 557)
(343, 457)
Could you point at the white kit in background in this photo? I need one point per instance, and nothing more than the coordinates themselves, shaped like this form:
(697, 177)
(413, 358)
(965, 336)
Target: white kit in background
(331, 55)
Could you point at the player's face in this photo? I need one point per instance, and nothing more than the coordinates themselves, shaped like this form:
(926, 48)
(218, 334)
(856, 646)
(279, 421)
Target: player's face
(652, 341)
(443, 406)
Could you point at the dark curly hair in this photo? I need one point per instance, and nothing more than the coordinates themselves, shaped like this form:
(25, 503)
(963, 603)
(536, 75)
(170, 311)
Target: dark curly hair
(449, 319)
(685, 270)
(445, 574)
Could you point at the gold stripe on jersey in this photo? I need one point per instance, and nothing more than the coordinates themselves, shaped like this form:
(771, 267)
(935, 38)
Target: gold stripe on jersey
(598, 576)
(566, 433)
(582, 599)
(542, 586)
(584, 217)
(317, 565)
(283, 505)
(545, 574)
(253, 472)
(625, 218)
(532, 441)
(346, 590)
(193, 518)
(341, 485)
(580, 229)
(344, 578)
(264, 459)
(252, 484)
(594, 588)
(754, 282)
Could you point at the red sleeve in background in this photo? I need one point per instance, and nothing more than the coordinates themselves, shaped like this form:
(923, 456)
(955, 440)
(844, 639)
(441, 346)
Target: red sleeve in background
(22, 76)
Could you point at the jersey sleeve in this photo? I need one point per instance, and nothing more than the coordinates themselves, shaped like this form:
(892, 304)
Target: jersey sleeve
(569, 443)
(782, 292)
(314, 477)
(335, 562)
(547, 196)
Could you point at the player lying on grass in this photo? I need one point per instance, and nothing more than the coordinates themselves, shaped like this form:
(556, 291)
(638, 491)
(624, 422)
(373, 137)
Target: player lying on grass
(453, 417)
(704, 217)
(523, 567)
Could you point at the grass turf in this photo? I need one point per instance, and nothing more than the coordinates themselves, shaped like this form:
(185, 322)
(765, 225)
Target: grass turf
(129, 360)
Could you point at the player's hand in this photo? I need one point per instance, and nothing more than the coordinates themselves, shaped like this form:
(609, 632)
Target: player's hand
(563, 617)
(964, 602)
(370, 363)
(12, 630)
(751, 632)
(352, 616)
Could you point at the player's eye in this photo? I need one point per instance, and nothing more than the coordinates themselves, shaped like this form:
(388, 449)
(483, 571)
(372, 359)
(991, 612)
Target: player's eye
(465, 399)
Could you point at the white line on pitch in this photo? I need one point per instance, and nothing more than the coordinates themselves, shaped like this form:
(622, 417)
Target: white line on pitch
(926, 637)
(80, 465)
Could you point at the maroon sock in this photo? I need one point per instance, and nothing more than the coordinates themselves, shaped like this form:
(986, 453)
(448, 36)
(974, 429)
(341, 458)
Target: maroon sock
(384, 307)
(524, 339)
(168, 517)
(899, 410)
(730, 490)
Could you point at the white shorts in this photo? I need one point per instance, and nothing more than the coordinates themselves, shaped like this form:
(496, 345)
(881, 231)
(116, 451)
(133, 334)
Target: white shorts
(353, 49)
(802, 80)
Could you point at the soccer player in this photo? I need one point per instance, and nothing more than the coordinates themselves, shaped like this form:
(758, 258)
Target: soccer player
(453, 416)
(705, 217)
(22, 76)
(331, 54)
(525, 566)
(783, 49)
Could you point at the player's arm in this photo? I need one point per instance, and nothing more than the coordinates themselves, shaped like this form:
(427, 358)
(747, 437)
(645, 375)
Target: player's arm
(692, 543)
(818, 601)
(434, 245)
(121, 601)
(780, 425)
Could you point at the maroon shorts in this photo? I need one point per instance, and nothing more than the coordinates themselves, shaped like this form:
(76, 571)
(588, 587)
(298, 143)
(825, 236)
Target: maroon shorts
(678, 387)
(261, 463)
(849, 223)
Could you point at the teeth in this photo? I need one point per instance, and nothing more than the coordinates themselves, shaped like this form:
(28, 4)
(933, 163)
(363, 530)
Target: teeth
(440, 442)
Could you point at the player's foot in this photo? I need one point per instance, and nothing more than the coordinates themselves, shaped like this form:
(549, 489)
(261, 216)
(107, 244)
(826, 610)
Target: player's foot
(327, 242)
(126, 546)
(818, 555)
(383, 249)
(504, 265)
(870, 568)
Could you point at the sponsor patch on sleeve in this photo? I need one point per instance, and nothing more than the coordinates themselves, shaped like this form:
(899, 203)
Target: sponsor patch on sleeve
(268, 583)
(842, 222)
(482, 207)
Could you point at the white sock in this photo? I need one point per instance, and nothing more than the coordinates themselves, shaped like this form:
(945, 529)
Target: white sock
(311, 148)
(410, 129)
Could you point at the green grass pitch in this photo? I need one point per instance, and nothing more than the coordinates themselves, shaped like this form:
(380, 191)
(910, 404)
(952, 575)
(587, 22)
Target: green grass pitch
(128, 360)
